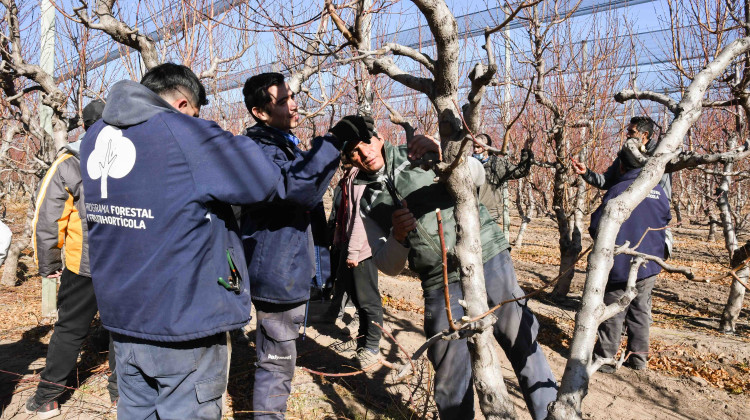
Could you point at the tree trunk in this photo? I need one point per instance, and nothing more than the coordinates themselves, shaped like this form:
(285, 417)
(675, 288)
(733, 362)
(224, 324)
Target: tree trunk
(734, 303)
(525, 210)
(712, 223)
(737, 291)
(677, 198)
(20, 243)
(488, 377)
(569, 227)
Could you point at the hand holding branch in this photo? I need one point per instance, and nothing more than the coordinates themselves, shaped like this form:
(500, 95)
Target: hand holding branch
(578, 167)
(421, 145)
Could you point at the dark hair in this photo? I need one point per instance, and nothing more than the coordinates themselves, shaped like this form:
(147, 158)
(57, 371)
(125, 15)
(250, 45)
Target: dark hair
(256, 90)
(169, 77)
(486, 137)
(644, 124)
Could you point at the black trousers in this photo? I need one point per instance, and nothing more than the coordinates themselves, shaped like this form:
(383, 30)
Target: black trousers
(342, 286)
(76, 308)
(366, 298)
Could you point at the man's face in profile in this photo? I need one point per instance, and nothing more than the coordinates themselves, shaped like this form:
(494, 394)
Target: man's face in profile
(281, 112)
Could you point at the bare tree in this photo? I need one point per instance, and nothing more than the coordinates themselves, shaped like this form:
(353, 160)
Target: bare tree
(26, 85)
(566, 81)
(688, 110)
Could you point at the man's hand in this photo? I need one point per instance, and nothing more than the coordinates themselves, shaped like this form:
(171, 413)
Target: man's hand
(55, 275)
(403, 222)
(351, 263)
(354, 128)
(421, 144)
(578, 167)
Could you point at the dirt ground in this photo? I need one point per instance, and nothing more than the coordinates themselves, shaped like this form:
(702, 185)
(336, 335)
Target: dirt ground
(695, 372)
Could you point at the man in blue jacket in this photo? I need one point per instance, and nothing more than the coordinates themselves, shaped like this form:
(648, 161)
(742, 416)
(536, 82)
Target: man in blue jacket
(278, 235)
(652, 212)
(169, 273)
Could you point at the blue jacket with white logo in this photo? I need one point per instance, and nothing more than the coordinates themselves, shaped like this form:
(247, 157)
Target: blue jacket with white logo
(283, 240)
(652, 212)
(164, 244)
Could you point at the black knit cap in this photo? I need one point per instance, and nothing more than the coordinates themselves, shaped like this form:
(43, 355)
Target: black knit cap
(92, 113)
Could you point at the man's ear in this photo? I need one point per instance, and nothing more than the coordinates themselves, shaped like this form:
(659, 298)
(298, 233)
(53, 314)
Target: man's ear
(260, 114)
(180, 104)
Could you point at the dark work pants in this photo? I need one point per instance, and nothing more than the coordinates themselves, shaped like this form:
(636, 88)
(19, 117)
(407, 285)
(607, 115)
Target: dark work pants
(515, 330)
(637, 317)
(76, 308)
(369, 306)
(276, 348)
(342, 287)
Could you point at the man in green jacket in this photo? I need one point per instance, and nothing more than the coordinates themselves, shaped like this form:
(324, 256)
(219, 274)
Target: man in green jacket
(398, 209)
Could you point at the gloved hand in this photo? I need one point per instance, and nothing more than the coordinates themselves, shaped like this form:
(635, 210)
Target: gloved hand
(354, 128)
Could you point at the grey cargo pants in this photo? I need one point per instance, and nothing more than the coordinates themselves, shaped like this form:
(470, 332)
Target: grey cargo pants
(515, 331)
(276, 348)
(637, 317)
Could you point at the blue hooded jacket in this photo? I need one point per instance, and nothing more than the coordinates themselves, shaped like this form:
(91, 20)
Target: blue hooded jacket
(652, 212)
(285, 241)
(162, 234)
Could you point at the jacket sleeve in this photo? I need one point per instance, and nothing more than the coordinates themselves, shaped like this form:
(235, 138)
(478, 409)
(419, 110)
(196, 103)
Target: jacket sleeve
(235, 170)
(387, 253)
(309, 174)
(606, 180)
(54, 204)
(523, 168)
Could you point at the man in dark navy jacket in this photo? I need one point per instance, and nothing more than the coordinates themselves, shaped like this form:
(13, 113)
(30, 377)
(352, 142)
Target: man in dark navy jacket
(652, 212)
(279, 235)
(167, 262)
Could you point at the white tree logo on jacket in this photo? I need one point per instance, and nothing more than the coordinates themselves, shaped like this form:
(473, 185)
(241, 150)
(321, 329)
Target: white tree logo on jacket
(113, 156)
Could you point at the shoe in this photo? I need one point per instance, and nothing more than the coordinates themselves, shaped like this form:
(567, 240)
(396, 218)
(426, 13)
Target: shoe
(367, 358)
(45, 410)
(606, 369)
(635, 366)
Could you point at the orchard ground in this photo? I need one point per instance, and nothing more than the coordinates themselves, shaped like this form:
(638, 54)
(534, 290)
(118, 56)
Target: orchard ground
(695, 371)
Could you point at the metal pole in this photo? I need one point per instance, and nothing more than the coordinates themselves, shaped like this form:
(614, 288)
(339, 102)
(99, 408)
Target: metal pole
(47, 62)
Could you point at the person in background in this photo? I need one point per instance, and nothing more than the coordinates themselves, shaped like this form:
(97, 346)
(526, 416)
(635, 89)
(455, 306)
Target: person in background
(363, 274)
(652, 212)
(60, 221)
(498, 170)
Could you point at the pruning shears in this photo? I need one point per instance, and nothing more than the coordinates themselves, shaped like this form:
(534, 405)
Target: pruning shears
(233, 283)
